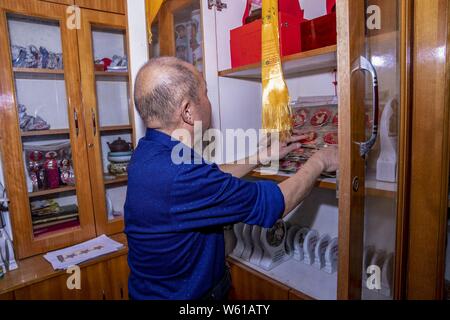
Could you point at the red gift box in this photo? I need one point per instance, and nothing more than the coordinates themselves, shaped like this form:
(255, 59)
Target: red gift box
(246, 40)
(331, 6)
(319, 32)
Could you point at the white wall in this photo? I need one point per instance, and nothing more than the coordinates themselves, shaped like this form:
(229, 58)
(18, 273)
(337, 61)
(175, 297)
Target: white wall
(137, 34)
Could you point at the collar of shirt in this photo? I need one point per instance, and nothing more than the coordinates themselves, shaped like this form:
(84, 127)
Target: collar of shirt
(170, 142)
(161, 137)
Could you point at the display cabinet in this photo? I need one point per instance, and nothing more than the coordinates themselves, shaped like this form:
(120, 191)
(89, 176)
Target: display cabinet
(65, 104)
(365, 206)
(108, 113)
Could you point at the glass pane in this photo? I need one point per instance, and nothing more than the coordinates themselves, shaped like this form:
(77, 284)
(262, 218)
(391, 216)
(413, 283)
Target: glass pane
(36, 51)
(187, 34)
(447, 260)
(113, 103)
(382, 49)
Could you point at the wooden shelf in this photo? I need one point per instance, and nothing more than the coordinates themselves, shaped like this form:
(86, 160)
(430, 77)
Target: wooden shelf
(123, 74)
(38, 71)
(45, 133)
(51, 191)
(116, 128)
(36, 269)
(373, 187)
(293, 65)
(116, 180)
(298, 276)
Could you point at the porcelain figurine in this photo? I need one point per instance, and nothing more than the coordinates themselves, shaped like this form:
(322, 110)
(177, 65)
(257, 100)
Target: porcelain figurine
(19, 56)
(51, 170)
(67, 174)
(34, 167)
(32, 57)
(44, 55)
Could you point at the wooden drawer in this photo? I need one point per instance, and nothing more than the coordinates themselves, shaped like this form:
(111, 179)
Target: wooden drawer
(251, 285)
(7, 296)
(94, 286)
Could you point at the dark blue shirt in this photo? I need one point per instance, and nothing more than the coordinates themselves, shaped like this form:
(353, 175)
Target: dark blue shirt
(174, 218)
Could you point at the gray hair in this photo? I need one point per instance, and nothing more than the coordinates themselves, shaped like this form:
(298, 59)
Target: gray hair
(161, 86)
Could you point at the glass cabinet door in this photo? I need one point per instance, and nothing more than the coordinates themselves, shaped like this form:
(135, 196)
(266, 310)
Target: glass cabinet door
(374, 133)
(108, 113)
(44, 147)
(177, 32)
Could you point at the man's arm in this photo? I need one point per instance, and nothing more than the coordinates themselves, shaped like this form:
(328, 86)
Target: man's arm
(244, 167)
(240, 170)
(298, 187)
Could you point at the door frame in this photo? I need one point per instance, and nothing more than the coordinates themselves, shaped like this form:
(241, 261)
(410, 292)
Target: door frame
(352, 34)
(429, 170)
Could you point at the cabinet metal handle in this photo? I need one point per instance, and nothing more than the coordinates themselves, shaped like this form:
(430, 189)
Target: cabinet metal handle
(94, 122)
(364, 65)
(75, 117)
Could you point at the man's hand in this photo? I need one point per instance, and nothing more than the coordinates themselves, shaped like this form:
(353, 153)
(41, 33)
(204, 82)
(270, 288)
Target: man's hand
(328, 158)
(268, 155)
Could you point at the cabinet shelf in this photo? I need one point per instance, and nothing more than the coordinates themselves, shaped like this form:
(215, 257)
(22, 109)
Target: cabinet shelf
(117, 74)
(53, 132)
(296, 275)
(116, 128)
(293, 65)
(373, 187)
(38, 71)
(51, 191)
(116, 180)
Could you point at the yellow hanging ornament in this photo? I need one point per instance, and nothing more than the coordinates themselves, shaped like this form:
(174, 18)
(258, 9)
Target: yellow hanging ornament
(152, 8)
(276, 113)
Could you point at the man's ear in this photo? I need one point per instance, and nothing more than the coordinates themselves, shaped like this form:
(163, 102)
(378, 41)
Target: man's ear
(186, 113)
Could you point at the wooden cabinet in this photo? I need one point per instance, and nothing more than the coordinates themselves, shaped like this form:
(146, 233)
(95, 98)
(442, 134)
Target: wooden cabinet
(60, 113)
(116, 6)
(108, 111)
(249, 285)
(101, 281)
(105, 278)
(367, 207)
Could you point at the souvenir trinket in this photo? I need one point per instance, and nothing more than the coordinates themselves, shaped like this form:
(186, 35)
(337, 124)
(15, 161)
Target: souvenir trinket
(320, 118)
(51, 170)
(35, 170)
(299, 240)
(258, 252)
(319, 251)
(273, 243)
(331, 257)
(292, 231)
(248, 244)
(309, 246)
(239, 249)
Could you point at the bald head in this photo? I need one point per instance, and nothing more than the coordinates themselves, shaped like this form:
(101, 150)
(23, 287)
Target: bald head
(161, 87)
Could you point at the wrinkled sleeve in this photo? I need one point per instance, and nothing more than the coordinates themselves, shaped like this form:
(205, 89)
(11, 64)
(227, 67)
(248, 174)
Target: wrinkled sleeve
(203, 196)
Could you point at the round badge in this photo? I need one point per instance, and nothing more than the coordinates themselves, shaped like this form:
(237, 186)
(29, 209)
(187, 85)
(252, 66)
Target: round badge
(336, 120)
(331, 138)
(276, 234)
(320, 118)
(300, 117)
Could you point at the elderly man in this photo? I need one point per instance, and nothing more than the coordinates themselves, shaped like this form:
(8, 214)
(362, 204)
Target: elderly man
(175, 213)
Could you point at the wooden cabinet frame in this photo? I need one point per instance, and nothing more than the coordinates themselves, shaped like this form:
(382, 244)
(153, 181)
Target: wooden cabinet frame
(26, 245)
(351, 44)
(429, 151)
(90, 110)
